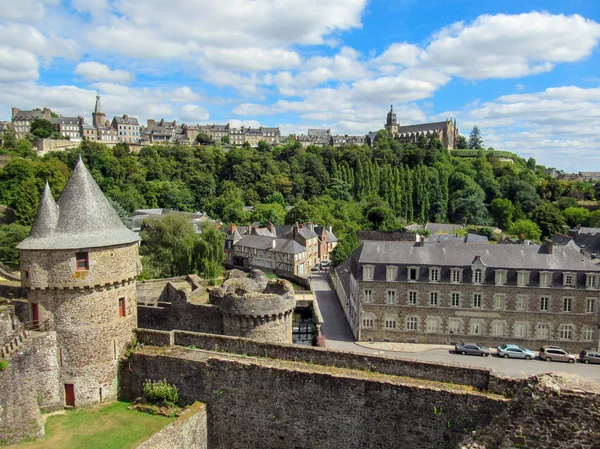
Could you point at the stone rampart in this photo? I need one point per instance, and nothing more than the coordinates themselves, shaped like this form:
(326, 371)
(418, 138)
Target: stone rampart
(254, 403)
(475, 377)
(189, 431)
(183, 316)
(12, 291)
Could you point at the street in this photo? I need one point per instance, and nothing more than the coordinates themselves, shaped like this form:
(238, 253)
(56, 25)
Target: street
(338, 336)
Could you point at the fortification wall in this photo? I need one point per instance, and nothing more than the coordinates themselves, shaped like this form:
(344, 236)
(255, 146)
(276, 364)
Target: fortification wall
(6, 322)
(189, 431)
(30, 381)
(274, 404)
(182, 316)
(475, 377)
(56, 268)
(12, 291)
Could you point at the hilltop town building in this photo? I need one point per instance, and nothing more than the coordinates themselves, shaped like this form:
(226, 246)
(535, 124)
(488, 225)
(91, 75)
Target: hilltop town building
(446, 131)
(21, 120)
(128, 128)
(449, 292)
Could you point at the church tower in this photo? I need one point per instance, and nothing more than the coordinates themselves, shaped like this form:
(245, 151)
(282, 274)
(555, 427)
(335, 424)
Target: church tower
(391, 125)
(98, 116)
(79, 265)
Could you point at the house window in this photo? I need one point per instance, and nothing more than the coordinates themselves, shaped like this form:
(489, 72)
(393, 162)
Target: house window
(565, 332)
(433, 298)
(476, 327)
(520, 330)
(412, 298)
(478, 277)
(543, 331)
(587, 333)
(521, 303)
(367, 323)
(567, 304)
(454, 325)
(498, 328)
(390, 323)
(413, 274)
(477, 300)
(568, 279)
(456, 275)
(544, 303)
(591, 281)
(499, 302)
(523, 278)
(367, 296)
(434, 274)
(545, 279)
(411, 323)
(391, 296)
(590, 305)
(500, 277)
(82, 261)
(455, 299)
(391, 273)
(122, 307)
(433, 324)
(368, 273)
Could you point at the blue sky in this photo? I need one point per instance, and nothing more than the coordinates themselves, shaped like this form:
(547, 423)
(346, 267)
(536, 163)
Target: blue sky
(527, 73)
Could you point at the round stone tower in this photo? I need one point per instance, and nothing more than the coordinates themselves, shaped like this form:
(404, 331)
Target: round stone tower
(258, 308)
(79, 266)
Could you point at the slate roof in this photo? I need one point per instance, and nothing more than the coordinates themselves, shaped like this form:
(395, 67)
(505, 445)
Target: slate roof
(516, 257)
(64, 120)
(331, 238)
(266, 243)
(307, 233)
(85, 218)
(343, 273)
(562, 240)
(98, 107)
(126, 120)
(454, 238)
(423, 127)
(584, 230)
(443, 228)
(29, 115)
(588, 243)
(289, 247)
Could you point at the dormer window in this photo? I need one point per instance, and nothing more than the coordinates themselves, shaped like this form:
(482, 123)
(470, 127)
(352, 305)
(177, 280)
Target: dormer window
(522, 278)
(391, 273)
(413, 273)
(545, 279)
(368, 272)
(478, 277)
(434, 274)
(455, 275)
(591, 281)
(82, 261)
(568, 279)
(500, 277)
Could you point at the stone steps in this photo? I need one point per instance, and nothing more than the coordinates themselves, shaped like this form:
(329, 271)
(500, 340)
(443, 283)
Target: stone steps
(14, 344)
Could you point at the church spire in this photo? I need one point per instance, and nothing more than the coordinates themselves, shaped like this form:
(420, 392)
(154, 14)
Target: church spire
(98, 108)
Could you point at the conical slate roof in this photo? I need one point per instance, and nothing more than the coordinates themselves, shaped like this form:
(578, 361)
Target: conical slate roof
(85, 218)
(46, 217)
(98, 108)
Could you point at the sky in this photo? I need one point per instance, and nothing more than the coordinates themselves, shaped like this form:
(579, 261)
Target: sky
(526, 73)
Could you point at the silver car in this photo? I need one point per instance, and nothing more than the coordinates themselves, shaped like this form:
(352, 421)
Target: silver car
(471, 349)
(556, 354)
(515, 351)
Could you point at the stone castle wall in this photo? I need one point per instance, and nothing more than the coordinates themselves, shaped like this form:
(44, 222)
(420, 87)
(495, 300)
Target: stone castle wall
(275, 329)
(273, 404)
(29, 383)
(485, 315)
(189, 431)
(56, 268)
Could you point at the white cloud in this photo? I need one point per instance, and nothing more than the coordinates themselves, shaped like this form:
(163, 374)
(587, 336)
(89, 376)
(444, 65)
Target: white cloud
(251, 59)
(193, 113)
(95, 71)
(17, 65)
(400, 53)
(30, 39)
(508, 46)
(26, 10)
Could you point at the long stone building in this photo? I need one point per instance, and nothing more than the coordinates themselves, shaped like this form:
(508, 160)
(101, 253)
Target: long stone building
(446, 131)
(445, 293)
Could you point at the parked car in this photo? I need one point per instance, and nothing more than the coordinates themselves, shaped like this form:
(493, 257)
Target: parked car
(471, 349)
(325, 263)
(317, 267)
(555, 354)
(589, 356)
(515, 351)
(324, 268)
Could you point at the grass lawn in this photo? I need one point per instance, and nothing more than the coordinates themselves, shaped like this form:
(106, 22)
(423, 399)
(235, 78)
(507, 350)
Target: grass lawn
(109, 427)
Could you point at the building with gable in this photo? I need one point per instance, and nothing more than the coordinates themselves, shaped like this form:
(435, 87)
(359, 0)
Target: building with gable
(21, 120)
(446, 131)
(128, 128)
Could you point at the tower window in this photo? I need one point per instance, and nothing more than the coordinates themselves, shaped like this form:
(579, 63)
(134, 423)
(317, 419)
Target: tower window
(82, 261)
(122, 307)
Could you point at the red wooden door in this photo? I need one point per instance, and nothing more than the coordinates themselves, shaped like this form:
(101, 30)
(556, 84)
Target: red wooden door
(35, 314)
(70, 395)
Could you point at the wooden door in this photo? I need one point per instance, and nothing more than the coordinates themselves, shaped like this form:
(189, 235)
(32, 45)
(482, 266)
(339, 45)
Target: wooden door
(35, 315)
(69, 395)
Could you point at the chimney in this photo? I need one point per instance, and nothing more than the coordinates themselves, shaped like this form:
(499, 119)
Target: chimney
(273, 243)
(329, 228)
(522, 239)
(310, 226)
(549, 244)
(233, 227)
(578, 227)
(271, 228)
(15, 111)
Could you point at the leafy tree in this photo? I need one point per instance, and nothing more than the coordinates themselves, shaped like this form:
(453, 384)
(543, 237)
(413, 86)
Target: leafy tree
(41, 128)
(475, 140)
(203, 138)
(565, 202)
(225, 140)
(462, 143)
(10, 236)
(208, 254)
(527, 228)
(269, 213)
(275, 197)
(9, 139)
(594, 219)
(549, 218)
(576, 216)
(502, 211)
(345, 248)
(27, 201)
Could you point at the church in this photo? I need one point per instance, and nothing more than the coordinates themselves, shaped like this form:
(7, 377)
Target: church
(446, 131)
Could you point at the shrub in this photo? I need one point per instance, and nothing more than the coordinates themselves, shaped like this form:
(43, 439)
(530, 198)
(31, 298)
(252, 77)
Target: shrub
(160, 391)
(320, 341)
(3, 364)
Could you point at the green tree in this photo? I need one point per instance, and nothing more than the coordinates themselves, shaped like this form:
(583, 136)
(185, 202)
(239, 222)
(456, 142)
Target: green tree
(203, 138)
(208, 254)
(462, 143)
(9, 139)
(167, 246)
(527, 228)
(576, 216)
(475, 140)
(225, 140)
(345, 248)
(549, 218)
(41, 128)
(502, 211)
(10, 236)
(27, 201)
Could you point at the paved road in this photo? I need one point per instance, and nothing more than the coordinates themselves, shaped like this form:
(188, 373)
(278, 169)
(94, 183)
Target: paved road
(337, 333)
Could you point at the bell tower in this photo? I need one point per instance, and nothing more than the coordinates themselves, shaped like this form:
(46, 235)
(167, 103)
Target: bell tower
(391, 125)
(98, 116)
